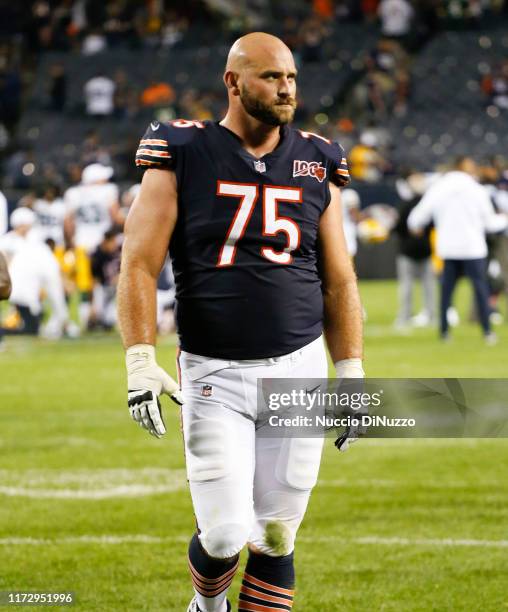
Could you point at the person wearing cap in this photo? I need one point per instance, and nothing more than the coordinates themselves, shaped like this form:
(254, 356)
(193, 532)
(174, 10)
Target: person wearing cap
(92, 208)
(32, 268)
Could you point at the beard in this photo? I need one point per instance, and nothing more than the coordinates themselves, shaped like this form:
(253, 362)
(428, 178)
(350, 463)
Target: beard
(271, 114)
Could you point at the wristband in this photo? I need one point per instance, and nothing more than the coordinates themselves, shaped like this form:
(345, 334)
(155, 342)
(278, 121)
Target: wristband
(145, 351)
(349, 368)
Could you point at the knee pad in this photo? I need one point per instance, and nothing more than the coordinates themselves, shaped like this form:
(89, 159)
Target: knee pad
(224, 541)
(206, 450)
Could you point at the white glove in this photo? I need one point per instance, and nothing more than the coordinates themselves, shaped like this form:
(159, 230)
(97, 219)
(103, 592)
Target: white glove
(145, 382)
(348, 368)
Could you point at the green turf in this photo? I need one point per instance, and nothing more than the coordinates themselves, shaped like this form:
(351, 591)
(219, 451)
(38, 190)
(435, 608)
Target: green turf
(64, 426)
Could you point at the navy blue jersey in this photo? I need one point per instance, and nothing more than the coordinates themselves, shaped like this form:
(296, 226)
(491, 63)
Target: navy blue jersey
(244, 249)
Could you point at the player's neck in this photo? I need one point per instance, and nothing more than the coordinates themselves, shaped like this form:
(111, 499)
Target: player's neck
(257, 138)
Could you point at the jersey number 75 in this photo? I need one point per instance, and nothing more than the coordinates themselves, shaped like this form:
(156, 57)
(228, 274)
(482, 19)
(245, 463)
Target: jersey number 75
(272, 222)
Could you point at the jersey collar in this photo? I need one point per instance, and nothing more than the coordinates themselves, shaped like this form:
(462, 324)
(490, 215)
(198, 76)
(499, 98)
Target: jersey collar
(235, 141)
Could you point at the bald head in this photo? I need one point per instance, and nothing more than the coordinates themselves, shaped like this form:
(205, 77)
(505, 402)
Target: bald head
(256, 48)
(261, 79)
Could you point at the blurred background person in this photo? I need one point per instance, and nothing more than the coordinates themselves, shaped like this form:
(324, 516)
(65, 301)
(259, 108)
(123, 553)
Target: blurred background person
(396, 17)
(495, 86)
(413, 259)
(57, 88)
(99, 94)
(366, 163)
(500, 252)
(463, 213)
(92, 208)
(34, 271)
(49, 209)
(105, 270)
(351, 216)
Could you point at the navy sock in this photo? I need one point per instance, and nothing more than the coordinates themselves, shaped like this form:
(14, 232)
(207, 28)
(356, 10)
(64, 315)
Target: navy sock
(210, 577)
(268, 582)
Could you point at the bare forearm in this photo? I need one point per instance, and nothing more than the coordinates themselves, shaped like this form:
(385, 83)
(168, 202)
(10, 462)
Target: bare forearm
(137, 308)
(343, 321)
(148, 231)
(69, 228)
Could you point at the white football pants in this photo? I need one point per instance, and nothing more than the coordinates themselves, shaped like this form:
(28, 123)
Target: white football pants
(245, 488)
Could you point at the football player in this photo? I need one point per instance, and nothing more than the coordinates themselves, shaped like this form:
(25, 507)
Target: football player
(92, 207)
(250, 210)
(50, 211)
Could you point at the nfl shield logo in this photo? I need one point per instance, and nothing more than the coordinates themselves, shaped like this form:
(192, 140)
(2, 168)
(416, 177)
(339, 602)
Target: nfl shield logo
(206, 390)
(260, 166)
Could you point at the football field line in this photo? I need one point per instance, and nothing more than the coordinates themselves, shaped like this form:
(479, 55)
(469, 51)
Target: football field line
(91, 484)
(148, 539)
(120, 491)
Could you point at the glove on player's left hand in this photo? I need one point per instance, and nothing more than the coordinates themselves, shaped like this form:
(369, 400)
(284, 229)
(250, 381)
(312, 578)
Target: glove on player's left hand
(146, 382)
(349, 368)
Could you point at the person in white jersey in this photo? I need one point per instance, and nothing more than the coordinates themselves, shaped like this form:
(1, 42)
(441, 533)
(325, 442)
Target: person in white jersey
(50, 213)
(92, 208)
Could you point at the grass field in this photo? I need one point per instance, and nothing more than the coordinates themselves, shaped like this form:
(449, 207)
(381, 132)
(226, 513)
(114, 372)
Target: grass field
(90, 503)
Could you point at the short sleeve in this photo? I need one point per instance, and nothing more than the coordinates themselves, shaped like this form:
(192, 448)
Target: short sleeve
(154, 150)
(339, 172)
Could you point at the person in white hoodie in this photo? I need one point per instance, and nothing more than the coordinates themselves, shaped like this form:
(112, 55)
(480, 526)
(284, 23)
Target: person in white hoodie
(463, 214)
(32, 268)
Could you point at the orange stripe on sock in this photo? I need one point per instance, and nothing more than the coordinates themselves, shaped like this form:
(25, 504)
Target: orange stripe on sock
(208, 593)
(248, 606)
(208, 587)
(268, 598)
(270, 587)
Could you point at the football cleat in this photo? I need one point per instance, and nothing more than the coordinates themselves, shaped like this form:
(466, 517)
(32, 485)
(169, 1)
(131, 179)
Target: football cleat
(193, 606)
